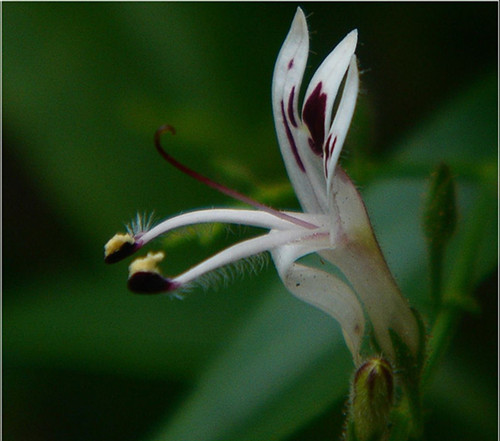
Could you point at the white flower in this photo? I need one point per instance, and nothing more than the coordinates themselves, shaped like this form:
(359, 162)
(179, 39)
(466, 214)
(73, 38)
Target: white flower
(334, 222)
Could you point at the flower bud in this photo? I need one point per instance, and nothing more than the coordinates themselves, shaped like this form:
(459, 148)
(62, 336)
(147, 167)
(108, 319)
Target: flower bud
(371, 399)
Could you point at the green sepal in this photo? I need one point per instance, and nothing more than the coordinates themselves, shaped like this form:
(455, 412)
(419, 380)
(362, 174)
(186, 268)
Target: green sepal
(409, 369)
(350, 432)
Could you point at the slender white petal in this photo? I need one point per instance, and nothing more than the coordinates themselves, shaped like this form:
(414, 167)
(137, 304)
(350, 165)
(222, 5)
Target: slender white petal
(232, 216)
(322, 290)
(342, 121)
(290, 66)
(304, 141)
(323, 88)
(287, 79)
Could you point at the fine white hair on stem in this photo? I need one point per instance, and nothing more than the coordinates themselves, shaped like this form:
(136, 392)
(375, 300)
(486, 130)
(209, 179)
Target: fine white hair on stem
(222, 277)
(243, 250)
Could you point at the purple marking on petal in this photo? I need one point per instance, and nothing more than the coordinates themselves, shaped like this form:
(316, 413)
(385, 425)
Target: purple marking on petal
(290, 107)
(291, 140)
(313, 116)
(290, 64)
(329, 151)
(326, 154)
(332, 145)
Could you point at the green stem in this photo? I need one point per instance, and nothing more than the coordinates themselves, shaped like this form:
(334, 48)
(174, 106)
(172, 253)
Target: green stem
(436, 257)
(441, 335)
(456, 298)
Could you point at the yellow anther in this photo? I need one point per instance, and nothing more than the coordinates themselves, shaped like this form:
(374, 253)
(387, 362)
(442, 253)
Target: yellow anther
(148, 264)
(116, 242)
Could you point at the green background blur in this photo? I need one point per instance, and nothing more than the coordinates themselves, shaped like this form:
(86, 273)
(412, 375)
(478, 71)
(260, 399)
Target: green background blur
(85, 85)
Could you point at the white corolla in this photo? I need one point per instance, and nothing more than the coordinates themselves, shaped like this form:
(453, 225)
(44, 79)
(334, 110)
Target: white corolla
(333, 221)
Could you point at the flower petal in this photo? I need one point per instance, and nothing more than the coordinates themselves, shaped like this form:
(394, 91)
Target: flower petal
(287, 79)
(322, 91)
(342, 121)
(358, 255)
(322, 290)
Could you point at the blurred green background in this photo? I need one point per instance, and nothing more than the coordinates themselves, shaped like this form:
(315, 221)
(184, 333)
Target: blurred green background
(85, 85)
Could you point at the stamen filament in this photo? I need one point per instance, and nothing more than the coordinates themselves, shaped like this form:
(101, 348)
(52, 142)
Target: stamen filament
(243, 217)
(242, 250)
